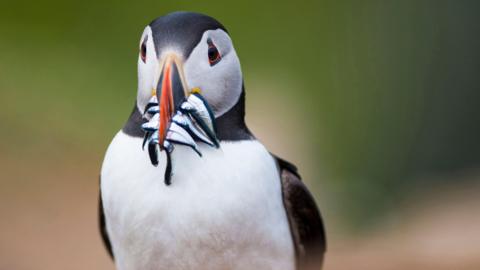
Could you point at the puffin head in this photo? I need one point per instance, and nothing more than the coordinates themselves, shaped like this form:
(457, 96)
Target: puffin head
(183, 52)
(190, 87)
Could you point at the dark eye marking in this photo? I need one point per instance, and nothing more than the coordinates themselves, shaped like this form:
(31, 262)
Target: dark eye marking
(213, 54)
(143, 50)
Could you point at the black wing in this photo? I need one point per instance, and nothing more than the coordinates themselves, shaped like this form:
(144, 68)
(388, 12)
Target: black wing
(305, 221)
(103, 226)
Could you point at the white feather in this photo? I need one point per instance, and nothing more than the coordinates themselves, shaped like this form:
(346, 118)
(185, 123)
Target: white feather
(221, 84)
(148, 71)
(222, 211)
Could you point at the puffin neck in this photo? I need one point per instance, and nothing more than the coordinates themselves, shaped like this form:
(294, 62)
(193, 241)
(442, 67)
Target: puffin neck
(231, 125)
(133, 125)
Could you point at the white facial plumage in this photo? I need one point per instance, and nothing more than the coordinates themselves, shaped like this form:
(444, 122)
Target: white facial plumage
(221, 83)
(148, 70)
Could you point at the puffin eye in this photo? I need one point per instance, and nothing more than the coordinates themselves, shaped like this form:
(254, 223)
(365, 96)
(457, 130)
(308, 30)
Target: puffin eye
(143, 50)
(213, 53)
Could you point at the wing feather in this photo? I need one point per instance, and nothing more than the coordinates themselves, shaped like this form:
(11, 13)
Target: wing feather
(103, 226)
(305, 221)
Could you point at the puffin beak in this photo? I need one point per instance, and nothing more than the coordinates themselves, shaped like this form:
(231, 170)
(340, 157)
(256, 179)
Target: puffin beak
(171, 92)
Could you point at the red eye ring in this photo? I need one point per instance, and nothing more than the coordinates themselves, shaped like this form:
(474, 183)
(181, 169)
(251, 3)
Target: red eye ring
(143, 50)
(213, 54)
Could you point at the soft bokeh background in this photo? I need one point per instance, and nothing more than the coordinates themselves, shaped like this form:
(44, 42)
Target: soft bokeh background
(377, 102)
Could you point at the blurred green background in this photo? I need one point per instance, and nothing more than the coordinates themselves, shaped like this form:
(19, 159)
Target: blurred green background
(377, 102)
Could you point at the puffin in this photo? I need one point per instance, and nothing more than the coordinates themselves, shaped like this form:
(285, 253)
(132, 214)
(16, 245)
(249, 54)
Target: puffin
(185, 184)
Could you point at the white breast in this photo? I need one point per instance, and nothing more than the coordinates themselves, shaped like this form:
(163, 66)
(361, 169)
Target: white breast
(222, 211)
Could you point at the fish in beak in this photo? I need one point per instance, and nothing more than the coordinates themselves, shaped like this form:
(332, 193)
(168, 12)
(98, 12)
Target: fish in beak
(176, 115)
